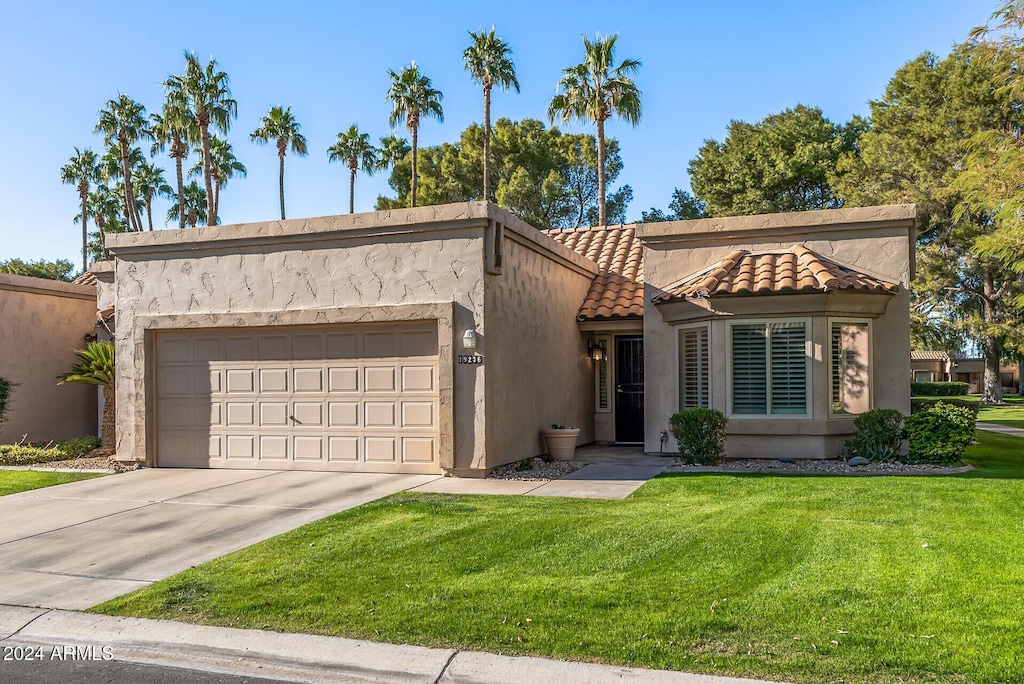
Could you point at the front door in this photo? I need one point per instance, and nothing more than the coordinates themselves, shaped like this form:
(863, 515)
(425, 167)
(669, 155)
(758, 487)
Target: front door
(629, 390)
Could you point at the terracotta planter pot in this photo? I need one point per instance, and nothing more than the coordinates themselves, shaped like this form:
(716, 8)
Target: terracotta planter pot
(561, 444)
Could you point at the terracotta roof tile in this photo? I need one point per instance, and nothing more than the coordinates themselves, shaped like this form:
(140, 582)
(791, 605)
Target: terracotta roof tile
(618, 291)
(796, 270)
(87, 278)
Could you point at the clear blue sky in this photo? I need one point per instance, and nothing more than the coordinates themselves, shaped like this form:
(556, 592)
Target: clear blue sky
(704, 63)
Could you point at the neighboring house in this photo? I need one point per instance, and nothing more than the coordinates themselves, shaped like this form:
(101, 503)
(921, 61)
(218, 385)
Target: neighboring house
(42, 322)
(444, 338)
(938, 366)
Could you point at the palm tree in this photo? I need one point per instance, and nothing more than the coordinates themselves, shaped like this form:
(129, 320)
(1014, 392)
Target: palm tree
(174, 127)
(203, 94)
(354, 149)
(392, 149)
(82, 170)
(279, 125)
(488, 61)
(123, 123)
(412, 96)
(150, 182)
(96, 367)
(104, 205)
(594, 91)
(194, 203)
(111, 169)
(225, 167)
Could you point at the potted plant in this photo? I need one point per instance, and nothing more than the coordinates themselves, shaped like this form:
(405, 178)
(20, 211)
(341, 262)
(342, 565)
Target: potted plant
(560, 441)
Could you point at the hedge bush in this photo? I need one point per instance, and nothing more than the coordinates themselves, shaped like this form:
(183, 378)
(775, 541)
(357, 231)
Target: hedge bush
(26, 454)
(700, 435)
(938, 389)
(918, 404)
(878, 436)
(5, 397)
(939, 434)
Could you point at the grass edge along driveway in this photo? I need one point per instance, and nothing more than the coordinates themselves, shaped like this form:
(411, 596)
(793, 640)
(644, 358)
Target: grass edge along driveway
(804, 579)
(14, 481)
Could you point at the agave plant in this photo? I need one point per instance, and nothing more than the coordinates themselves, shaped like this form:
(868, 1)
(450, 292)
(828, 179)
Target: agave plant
(95, 367)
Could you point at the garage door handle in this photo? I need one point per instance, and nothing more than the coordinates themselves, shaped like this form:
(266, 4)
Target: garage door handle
(294, 420)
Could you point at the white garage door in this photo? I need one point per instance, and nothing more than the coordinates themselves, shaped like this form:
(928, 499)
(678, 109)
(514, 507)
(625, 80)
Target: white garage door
(348, 398)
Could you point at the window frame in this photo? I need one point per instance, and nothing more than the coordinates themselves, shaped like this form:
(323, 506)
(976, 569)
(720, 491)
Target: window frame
(808, 353)
(871, 365)
(711, 385)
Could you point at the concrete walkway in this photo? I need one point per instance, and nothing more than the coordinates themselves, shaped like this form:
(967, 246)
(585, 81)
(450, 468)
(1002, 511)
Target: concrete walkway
(78, 544)
(589, 482)
(304, 658)
(1001, 429)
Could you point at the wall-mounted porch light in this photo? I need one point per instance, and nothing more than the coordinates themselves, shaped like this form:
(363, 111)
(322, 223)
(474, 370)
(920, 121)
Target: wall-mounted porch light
(469, 339)
(595, 350)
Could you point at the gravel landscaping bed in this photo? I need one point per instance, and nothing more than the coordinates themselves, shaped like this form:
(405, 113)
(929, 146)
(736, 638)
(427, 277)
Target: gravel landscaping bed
(829, 467)
(541, 471)
(97, 459)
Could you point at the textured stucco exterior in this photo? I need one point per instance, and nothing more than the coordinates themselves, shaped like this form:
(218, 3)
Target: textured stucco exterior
(42, 322)
(536, 363)
(878, 241)
(430, 263)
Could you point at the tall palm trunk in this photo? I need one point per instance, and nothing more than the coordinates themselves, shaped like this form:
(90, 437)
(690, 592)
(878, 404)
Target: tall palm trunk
(602, 217)
(83, 192)
(280, 156)
(131, 223)
(176, 151)
(149, 211)
(352, 166)
(487, 141)
(216, 199)
(204, 132)
(414, 129)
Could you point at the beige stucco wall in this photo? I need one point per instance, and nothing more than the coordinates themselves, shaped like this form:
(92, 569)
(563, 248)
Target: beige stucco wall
(876, 240)
(42, 322)
(412, 263)
(536, 363)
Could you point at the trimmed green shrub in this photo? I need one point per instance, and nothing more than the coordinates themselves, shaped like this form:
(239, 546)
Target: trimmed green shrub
(700, 434)
(938, 389)
(25, 454)
(79, 446)
(918, 404)
(878, 436)
(5, 397)
(939, 434)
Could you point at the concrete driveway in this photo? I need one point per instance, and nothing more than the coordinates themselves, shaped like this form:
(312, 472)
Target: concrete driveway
(75, 545)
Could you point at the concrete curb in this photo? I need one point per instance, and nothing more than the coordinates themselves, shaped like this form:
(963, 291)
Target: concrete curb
(306, 658)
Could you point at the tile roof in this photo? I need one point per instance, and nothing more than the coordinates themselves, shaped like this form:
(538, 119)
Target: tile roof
(797, 269)
(86, 278)
(929, 356)
(618, 291)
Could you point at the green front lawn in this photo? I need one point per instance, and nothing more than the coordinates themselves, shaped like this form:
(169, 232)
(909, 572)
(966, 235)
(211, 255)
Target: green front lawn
(14, 481)
(807, 579)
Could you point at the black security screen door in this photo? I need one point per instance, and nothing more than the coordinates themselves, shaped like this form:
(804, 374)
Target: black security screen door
(629, 390)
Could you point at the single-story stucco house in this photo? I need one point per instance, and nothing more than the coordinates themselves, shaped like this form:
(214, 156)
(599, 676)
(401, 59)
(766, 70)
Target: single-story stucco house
(939, 366)
(443, 339)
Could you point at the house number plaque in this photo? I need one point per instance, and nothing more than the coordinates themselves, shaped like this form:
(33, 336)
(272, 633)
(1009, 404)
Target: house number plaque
(471, 358)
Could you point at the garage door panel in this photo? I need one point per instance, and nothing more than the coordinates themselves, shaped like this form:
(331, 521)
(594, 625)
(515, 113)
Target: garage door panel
(357, 397)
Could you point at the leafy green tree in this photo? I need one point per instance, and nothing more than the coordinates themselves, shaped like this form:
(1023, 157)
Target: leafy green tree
(150, 182)
(915, 151)
(355, 150)
(195, 206)
(594, 91)
(203, 93)
(782, 163)
(61, 269)
(175, 129)
(224, 167)
(280, 126)
(412, 96)
(82, 170)
(489, 62)
(122, 124)
(682, 207)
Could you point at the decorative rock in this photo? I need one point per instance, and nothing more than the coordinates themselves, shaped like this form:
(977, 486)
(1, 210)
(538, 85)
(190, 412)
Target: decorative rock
(858, 461)
(787, 460)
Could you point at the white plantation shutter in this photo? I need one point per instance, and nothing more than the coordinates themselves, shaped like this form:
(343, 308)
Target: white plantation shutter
(694, 370)
(788, 368)
(749, 368)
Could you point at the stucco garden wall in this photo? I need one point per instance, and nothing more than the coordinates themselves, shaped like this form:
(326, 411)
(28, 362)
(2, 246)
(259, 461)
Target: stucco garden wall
(876, 240)
(536, 363)
(412, 263)
(42, 322)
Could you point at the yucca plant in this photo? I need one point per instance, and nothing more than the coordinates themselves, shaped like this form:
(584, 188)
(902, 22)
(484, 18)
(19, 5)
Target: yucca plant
(96, 367)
